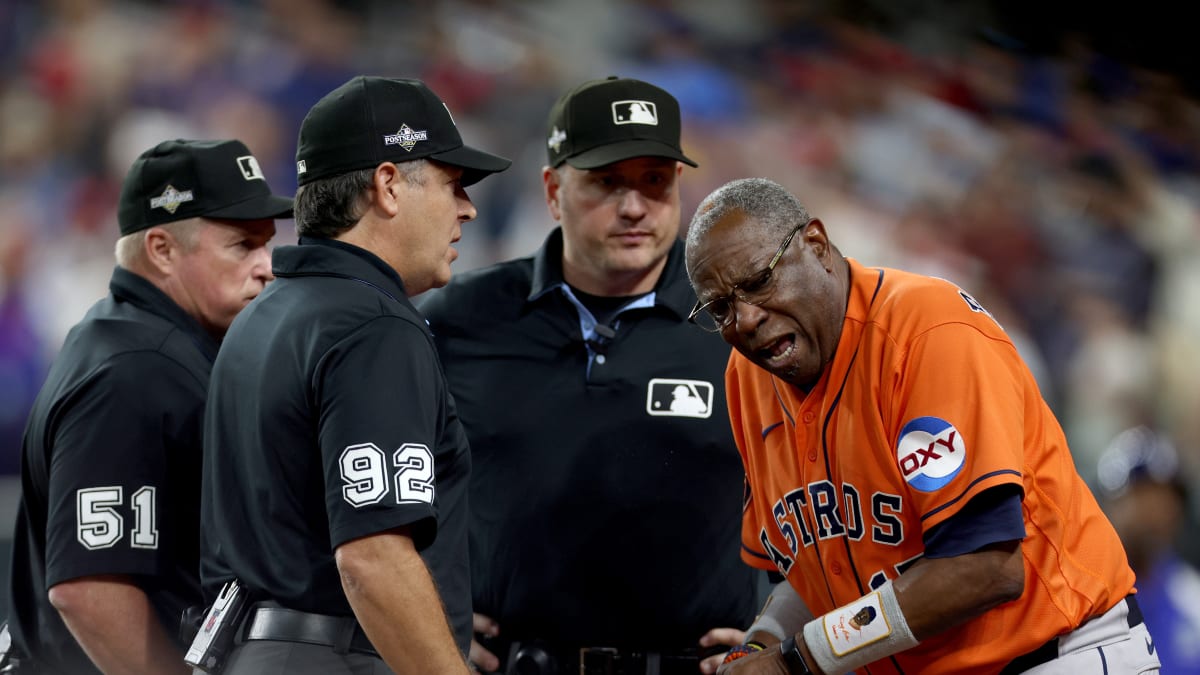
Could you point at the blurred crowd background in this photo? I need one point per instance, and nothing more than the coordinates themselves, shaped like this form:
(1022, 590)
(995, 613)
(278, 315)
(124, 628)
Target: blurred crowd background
(1045, 159)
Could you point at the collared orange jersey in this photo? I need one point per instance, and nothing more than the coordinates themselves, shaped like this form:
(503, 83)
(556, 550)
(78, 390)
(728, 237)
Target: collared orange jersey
(925, 405)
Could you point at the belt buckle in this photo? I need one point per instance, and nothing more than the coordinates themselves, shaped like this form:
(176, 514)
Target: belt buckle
(598, 661)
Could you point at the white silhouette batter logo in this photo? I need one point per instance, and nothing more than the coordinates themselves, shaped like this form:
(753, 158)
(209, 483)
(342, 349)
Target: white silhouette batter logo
(679, 398)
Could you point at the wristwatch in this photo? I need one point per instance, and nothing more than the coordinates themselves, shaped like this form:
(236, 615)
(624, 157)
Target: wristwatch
(796, 664)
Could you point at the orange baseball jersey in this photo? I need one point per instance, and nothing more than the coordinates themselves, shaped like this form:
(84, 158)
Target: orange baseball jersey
(925, 405)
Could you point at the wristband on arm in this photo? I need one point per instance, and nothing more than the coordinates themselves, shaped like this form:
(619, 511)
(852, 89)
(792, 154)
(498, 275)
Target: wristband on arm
(743, 650)
(853, 635)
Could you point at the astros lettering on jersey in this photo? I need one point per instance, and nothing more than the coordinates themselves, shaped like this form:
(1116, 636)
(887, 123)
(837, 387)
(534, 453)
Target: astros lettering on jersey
(918, 413)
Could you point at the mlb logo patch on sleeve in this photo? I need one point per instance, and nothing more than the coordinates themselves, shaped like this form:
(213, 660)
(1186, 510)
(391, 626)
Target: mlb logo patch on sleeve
(679, 398)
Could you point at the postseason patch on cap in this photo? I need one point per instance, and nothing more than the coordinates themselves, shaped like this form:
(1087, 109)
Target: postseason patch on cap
(406, 137)
(557, 138)
(171, 198)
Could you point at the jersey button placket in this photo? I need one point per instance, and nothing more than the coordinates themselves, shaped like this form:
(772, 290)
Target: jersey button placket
(808, 418)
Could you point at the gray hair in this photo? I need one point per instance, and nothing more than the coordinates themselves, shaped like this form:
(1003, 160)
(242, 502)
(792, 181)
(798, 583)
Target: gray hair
(130, 250)
(330, 206)
(764, 202)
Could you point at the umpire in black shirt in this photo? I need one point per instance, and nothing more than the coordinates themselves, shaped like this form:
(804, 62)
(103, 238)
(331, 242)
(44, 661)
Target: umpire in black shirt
(334, 453)
(607, 488)
(105, 556)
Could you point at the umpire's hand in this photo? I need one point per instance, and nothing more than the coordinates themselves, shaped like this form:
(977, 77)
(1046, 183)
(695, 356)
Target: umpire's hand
(481, 659)
(730, 637)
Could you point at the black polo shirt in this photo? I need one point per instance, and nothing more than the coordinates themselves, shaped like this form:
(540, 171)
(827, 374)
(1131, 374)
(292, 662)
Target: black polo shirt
(329, 420)
(606, 490)
(110, 473)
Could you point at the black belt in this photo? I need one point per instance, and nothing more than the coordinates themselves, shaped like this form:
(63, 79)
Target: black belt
(538, 657)
(1049, 651)
(341, 633)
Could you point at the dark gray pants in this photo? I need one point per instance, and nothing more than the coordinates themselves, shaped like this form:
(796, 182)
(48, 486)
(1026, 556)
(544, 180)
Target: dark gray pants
(270, 657)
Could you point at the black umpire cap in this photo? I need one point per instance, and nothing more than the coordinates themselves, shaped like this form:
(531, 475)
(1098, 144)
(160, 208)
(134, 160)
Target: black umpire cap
(181, 179)
(605, 121)
(370, 120)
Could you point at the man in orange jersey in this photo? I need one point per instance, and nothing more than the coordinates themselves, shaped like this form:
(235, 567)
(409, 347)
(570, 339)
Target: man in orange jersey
(903, 471)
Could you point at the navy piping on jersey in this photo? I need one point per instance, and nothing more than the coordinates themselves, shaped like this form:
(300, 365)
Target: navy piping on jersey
(828, 469)
(770, 429)
(782, 406)
(967, 488)
(816, 541)
(837, 400)
(992, 516)
(825, 450)
(756, 554)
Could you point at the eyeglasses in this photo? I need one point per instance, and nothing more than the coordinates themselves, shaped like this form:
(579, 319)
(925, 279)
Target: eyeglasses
(715, 315)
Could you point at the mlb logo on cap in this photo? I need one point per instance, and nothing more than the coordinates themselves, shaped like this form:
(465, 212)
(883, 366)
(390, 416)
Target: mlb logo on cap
(250, 168)
(635, 112)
